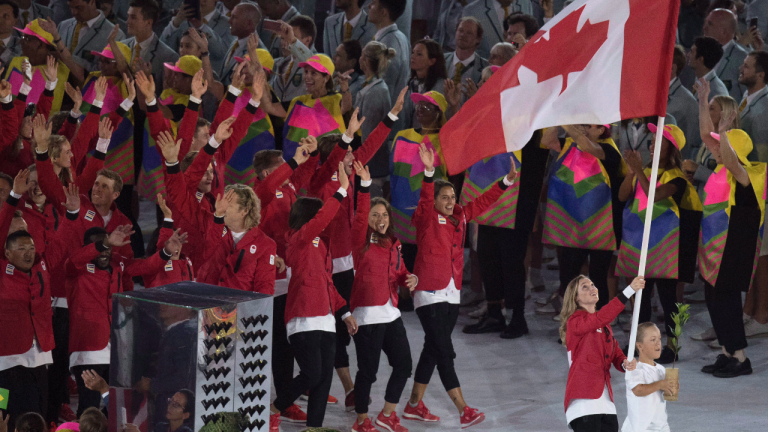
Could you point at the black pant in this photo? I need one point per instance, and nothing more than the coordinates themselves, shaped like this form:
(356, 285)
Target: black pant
(343, 282)
(58, 372)
(596, 423)
(314, 352)
(282, 352)
(88, 398)
(571, 260)
(501, 253)
(667, 289)
(370, 341)
(27, 391)
(725, 310)
(124, 203)
(438, 320)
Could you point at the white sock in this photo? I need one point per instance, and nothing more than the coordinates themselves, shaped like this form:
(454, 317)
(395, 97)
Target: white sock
(413, 405)
(386, 415)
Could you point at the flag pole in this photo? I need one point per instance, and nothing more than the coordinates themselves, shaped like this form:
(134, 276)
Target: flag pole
(646, 233)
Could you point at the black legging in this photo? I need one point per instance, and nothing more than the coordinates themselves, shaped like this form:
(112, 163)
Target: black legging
(343, 282)
(571, 261)
(370, 341)
(58, 372)
(596, 423)
(438, 321)
(725, 310)
(282, 352)
(667, 289)
(501, 253)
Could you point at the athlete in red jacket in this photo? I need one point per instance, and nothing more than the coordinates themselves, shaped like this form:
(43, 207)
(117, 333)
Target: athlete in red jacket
(179, 267)
(592, 350)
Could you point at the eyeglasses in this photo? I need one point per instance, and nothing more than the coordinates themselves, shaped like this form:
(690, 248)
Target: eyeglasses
(173, 404)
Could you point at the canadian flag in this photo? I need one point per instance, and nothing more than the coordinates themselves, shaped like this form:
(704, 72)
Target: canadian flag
(596, 62)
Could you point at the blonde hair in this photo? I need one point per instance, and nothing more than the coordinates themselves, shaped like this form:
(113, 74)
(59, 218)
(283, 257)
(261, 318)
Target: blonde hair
(727, 106)
(378, 56)
(55, 143)
(642, 329)
(249, 202)
(569, 304)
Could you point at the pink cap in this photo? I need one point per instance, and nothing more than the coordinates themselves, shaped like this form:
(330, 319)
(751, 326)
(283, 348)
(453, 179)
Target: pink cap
(173, 67)
(27, 31)
(668, 135)
(69, 426)
(106, 53)
(494, 68)
(418, 97)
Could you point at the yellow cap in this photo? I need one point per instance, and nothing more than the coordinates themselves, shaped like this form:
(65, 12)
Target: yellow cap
(673, 133)
(433, 97)
(34, 29)
(187, 65)
(740, 142)
(265, 59)
(107, 52)
(321, 63)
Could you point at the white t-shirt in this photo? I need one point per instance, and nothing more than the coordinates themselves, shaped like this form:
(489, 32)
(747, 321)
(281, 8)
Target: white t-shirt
(448, 295)
(648, 413)
(584, 407)
(366, 315)
(101, 357)
(31, 359)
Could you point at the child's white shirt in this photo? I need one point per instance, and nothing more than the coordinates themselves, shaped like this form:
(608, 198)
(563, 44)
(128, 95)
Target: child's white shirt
(648, 413)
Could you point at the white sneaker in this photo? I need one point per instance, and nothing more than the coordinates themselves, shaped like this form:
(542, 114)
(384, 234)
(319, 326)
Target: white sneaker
(755, 329)
(482, 310)
(542, 301)
(547, 309)
(556, 318)
(705, 336)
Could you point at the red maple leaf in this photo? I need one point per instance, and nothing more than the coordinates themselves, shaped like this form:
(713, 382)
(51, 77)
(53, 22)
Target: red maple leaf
(566, 51)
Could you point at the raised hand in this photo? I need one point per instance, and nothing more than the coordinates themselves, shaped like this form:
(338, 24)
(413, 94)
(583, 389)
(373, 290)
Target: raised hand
(238, 80)
(49, 26)
(400, 101)
(452, 93)
(146, 85)
(549, 8)
(634, 160)
(41, 131)
(175, 242)
(224, 131)
(20, 183)
(512, 175)
(168, 146)
(130, 86)
(286, 32)
(184, 13)
(51, 69)
(94, 381)
(200, 39)
(121, 236)
(301, 155)
(223, 203)
(310, 143)
(25, 72)
(702, 91)
(76, 95)
(726, 122)
(259, 83)
(167, 213)
(113, 34)
(140, 65)
(105, 128)
(354, 123)
(199, 86)
(5, 87)
(4, 422)
(253, 45)
(343, 178)
(72, 193)
(100, 89)
(469, 88)
(427, 157)
(519, 40)
(343, 79)
(362, 171)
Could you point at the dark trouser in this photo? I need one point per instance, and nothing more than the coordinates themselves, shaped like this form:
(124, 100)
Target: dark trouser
(501, 252)
(370, 341)
(314, 352)
(343, 282)
(438, 320)
(596, 423)
(58, 372)
(725, 310)
(27, 391)
(282, 352)
(667, 289)
(125, 204)
(88, 398)
(571, 260)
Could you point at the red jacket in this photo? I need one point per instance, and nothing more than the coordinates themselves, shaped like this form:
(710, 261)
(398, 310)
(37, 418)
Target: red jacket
(591, 350)
(277, 198)
(310, 291)
(325, 183)
(9, 125)
(42, 225)
(25, 298)
(379, 265)
(90, 295)
(440, 239)
(174, 270)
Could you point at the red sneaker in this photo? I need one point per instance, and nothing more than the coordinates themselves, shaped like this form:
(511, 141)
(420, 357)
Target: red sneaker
(72, 386)
(420, 412)
(349, 401)
(294, 414)
(365, 427)
(391, 423)
(66, 414)
(331, 399)
(274, 422)
(471, 417)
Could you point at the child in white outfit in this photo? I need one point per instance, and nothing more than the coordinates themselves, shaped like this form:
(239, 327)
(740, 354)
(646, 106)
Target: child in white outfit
(646, 407)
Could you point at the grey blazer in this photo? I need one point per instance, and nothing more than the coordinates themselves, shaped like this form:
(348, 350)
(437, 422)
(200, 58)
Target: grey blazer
(643, 144)
(293, 86)
(473, 72)
(754, 121)
(493, 28)
(36, 11)
(727, 69)
(716, 88)
(447, 21)
(682, 104)
(333, 34)
(156, 54)
(93, 39)
(225, 72)
(219, 23)
(399, 68)
(216, 48)
(374, 103)
(13, 49)
(404, 22)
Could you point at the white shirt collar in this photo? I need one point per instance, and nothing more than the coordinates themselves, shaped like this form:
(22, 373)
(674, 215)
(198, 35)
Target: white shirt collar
(208, 17)
(21, 11)
(145, 45)
(751, 97)
(500, 10)
(465, 62)
(672, 82)
(92, 22)
(7, 41)
(386, 29)
(354, 20)
(710, 75)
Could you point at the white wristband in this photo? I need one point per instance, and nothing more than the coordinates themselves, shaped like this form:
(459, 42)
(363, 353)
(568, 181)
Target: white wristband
(102, 145)
(7, 99)
(235, 91)
(254, 102)
(628, 291)
(75, 114)
(98, 103)
(194, 99)
(213, 143)
(126, 104)
(346, 315)
(429, 173)
(25, 89)
(170, 164)
(392, 116)
(73, 212)
(152, 102)
(167, 220)
(507, 182)
(365, 183)
(342, 191)
(346, 139)
(51, 85)
(15, 195)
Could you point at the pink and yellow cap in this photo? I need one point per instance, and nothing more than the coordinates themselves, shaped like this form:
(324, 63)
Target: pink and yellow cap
(671, 132)
(265, 59)
(321, 63)
(107, 52)
(186, 64)
(34, 29)
(740, 142)
(433, 97)
(68, 427)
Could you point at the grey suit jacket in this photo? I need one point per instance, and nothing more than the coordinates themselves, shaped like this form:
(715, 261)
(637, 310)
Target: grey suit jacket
(92, 39)
(374, 103)
(156, 54)
(644, 140)
(754, 121)
(404, 22)
(225, 72)
(493, 28)
(36, 11)
(220, 25)
(13, 49)
(333, 34)
(216, 48)
(447, 21)
(399, 68)
(683, 105)
(727, 69)
(473, 72)
(716, 88)
(293, 86)
(272, 40)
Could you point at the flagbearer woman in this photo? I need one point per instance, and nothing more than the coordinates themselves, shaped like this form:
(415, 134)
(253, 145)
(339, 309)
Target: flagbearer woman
(583, 213)
(731, 234)
(674, 231)
(440, 229)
